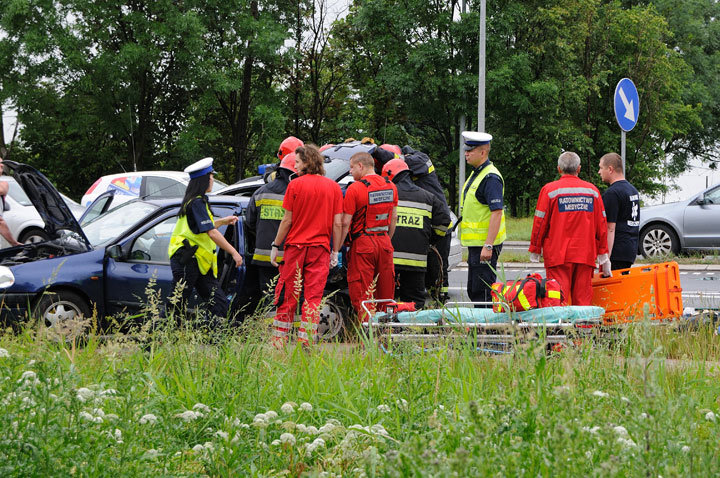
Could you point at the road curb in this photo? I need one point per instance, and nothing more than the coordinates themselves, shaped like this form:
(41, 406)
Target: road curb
(536, 265)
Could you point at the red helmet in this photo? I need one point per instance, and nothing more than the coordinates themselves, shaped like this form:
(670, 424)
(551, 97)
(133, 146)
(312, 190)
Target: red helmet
(326, 146)
(393, 167)
(289, 145)
(393, 148)
(288, 162)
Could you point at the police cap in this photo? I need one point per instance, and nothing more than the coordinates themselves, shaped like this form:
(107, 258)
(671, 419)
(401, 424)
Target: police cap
(473, 139)
(200, 168)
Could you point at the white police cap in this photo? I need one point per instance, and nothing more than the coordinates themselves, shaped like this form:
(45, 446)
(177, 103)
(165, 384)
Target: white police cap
(200, 168)
(473, 139)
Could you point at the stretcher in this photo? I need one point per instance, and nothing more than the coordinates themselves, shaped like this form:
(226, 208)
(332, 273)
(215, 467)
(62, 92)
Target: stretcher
(644, 292)
(556, 325)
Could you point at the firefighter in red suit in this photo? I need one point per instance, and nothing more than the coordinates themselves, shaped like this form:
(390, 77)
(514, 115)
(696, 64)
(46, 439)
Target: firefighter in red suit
(369, 217)
(570, 231)
(313, 215)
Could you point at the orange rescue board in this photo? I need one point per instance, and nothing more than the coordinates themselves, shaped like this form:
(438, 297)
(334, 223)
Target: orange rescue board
(630, 294)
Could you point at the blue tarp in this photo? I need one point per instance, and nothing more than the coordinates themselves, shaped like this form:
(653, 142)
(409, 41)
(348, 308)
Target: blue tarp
(467, 315)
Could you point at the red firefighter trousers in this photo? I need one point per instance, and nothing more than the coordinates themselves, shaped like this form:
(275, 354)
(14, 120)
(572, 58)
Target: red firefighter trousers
(305, 267)
(575, 281)
(371, 257)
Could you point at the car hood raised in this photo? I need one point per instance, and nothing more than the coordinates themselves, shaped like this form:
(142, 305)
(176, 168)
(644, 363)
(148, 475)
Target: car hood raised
(54, 212)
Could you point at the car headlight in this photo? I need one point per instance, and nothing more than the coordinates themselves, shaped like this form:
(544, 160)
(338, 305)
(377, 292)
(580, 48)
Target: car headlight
(6, 277)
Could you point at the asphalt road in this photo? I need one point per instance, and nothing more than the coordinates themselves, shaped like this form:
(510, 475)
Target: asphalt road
(700, 284)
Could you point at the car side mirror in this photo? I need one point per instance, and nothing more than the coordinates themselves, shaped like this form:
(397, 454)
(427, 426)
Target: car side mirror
(701, 199)
(114, 252)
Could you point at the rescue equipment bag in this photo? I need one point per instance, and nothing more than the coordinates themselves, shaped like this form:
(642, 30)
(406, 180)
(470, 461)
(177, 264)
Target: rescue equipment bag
(532, 292)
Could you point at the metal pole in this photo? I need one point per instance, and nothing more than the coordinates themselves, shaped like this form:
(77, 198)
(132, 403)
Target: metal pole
(481, 71)
(622, 151)
(461, 169)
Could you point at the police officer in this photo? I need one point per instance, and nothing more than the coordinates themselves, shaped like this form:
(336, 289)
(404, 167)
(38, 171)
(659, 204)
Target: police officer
(482, 229)
(420, 216)
(192, 245)
(369, 217)
(424, 176)
(262, 220)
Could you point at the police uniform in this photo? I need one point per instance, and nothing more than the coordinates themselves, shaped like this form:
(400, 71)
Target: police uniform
(192, 251)
(420, 217)
(482, 193)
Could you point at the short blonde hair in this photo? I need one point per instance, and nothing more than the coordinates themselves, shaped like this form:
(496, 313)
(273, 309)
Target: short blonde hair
(363, 158)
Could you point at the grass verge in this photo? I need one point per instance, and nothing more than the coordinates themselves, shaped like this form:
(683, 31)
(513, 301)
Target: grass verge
(642, 404)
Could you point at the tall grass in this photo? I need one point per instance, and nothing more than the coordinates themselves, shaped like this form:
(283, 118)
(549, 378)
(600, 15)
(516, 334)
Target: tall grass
(171, 404)
(518, 228)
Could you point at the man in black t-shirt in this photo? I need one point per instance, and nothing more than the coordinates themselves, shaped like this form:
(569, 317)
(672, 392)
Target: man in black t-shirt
(622, 207)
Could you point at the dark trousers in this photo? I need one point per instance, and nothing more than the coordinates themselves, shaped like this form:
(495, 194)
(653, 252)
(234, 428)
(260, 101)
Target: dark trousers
(481, 275)
(615, 265)
(207, 286)
(436, 277)
(410, 287)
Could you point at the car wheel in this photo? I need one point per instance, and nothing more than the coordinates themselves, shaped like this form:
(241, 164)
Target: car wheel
(659, 240)
(55, 307)
(332, 321)
(33, 235)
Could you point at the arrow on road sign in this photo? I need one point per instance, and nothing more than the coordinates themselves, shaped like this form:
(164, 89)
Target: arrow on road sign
(629, 109)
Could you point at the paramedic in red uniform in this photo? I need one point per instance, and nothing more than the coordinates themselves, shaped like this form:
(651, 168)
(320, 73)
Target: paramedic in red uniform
(369, 217)
(313, 215)
(570, 231)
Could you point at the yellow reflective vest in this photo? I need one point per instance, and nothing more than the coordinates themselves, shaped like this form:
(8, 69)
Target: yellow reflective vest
(205, 253)
(476, 216)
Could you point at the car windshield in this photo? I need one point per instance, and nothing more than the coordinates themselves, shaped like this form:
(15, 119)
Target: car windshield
(110, 225)
(17, 193)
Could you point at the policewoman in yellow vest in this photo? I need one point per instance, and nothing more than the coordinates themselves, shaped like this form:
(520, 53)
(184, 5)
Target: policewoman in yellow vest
(482, 229)
(194, 239)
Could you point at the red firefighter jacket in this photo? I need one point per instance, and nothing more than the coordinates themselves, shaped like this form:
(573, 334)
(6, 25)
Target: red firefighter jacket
(569, 224)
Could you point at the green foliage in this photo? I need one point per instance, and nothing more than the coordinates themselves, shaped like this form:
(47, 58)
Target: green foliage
(172, 406)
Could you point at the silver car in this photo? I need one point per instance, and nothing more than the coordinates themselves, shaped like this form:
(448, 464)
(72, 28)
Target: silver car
(692, 224)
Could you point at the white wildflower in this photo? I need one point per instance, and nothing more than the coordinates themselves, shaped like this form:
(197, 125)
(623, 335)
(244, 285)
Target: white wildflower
(189, 415)
(222, 434)
(588, 455)
(379, 430)
(107, 393)
(271, 415)
(287, 408)
(287, 438)
(89, 417)
(275, 443)
(198, 448)
(317, 443)
(31, 363)
(260, 421)
(686, 449)
(118, 436)
(402, 404)
(306, 407)
(601, 394)
(643, 416)
(28, 375)
(311, 430)
(199, 407)
(710, 416)
(53, 396)
(98, 412)
(382, 408)
(621, 431)
(327, 428)
(151, 454)
(626, 442)
(592, 430)
(244, 426)
(148, 418)
(85, 394)
(625, 399)
(111, 417)
(4, 353)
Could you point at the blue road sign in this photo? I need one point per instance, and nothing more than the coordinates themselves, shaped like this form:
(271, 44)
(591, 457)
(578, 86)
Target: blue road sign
(627, 104)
